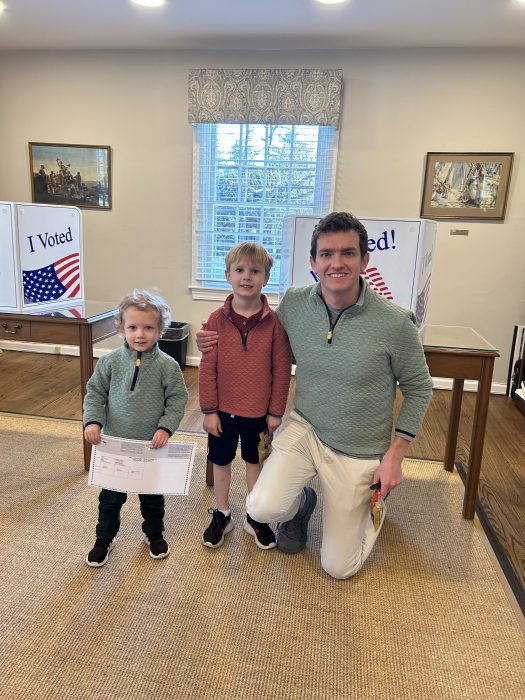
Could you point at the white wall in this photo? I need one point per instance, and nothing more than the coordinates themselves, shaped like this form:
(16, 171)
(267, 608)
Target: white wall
(397, 106)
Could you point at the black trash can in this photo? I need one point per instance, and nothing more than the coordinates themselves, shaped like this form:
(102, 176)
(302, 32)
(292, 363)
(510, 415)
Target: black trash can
(174, 341)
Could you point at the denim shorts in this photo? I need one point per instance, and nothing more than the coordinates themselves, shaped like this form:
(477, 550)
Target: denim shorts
(222, 450)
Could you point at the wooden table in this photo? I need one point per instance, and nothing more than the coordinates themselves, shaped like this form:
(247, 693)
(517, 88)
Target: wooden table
(459, 353)
(83, 325)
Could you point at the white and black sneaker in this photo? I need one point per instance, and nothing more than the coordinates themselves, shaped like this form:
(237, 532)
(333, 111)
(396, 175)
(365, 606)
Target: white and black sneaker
(99, 555)
(158, 547)
(261, 532)
(213, 535)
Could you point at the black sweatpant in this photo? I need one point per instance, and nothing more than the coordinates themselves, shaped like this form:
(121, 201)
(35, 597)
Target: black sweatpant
(110, 504)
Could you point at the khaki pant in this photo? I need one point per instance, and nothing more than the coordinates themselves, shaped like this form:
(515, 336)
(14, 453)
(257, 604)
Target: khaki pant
(297, 456)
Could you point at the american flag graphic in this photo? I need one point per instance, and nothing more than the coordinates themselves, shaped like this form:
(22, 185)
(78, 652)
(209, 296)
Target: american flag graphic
(59, 280)
(377, 283)
(422, 304)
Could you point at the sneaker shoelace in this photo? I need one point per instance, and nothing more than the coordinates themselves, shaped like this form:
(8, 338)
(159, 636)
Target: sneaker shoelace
(219, 519)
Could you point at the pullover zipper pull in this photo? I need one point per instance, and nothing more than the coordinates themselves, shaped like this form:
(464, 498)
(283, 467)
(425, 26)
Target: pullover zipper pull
(330, 335)
(138, 362)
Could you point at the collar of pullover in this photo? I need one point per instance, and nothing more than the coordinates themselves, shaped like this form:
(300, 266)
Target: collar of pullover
(228, 306)
(145, 355)
(363, 300)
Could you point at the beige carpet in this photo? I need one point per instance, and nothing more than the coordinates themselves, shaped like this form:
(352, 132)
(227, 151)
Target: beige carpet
(426, 618)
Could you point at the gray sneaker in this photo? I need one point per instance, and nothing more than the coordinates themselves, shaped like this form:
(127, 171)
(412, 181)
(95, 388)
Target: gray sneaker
(292, 534)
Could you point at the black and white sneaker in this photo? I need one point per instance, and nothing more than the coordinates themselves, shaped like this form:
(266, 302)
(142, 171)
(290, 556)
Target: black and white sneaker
(213, 535)
(261, 532)
(158, 547)
(99, 555)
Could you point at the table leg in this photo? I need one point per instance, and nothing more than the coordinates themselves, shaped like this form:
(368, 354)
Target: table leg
(209, 473)
(86, 370)
(453, 424)
(477, 439)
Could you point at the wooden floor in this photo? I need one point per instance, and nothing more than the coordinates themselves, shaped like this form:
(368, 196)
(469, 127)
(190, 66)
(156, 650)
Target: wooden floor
(48, 385)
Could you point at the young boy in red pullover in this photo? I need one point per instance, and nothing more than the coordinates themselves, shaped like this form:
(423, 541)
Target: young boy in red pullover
(243, 384)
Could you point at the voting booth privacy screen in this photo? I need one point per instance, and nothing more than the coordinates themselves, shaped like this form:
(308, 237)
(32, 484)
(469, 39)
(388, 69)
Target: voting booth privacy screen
(400, 266)
(41, 256)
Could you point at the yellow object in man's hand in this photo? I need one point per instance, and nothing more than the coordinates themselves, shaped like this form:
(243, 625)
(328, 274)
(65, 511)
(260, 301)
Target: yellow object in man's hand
(376, 506)
(265, 445)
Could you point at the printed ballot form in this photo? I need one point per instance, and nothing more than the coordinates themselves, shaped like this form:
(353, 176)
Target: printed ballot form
(132, 466)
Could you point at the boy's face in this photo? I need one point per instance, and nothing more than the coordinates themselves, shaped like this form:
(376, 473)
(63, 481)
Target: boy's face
(247, 279)
(141, 328)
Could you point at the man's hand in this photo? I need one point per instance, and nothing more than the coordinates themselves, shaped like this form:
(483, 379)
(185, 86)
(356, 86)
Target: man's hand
(389, 472)
(273, 423)
(160, 439)
(92, 434)
(206, 339)
(212, 424)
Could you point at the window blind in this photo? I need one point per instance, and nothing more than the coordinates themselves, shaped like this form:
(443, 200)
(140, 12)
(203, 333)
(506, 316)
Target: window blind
(247, 178)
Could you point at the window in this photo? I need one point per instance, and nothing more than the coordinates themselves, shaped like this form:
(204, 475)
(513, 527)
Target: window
(247, 178)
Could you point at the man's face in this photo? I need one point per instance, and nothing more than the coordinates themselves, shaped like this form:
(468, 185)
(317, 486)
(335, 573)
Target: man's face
(338, 264)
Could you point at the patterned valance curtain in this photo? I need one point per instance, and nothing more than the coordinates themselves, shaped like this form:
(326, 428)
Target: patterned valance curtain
(264, 96)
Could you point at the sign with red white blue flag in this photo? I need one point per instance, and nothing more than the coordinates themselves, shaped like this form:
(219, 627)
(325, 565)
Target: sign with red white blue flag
(50, 255)
(400, 264)
(55, 282)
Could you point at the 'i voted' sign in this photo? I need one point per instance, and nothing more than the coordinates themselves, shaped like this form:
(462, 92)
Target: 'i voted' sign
(399, 268)
(50, 254)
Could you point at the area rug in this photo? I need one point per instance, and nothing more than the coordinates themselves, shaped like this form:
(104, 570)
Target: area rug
(427, 617)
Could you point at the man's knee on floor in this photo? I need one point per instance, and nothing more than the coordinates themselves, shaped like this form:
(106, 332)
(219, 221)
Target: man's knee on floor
(341, 570)
(261, 507)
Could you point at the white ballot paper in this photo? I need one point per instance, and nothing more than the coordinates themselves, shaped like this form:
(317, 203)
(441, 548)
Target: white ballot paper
(132, 466)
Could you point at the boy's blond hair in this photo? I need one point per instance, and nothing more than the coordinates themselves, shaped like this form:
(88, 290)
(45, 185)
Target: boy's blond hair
(145, 301)
(252, 252)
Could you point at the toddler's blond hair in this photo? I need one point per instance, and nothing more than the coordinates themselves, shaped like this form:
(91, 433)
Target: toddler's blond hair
(144, 300)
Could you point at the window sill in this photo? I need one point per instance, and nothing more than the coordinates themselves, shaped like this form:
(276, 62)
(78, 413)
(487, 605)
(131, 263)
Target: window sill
(208, 294)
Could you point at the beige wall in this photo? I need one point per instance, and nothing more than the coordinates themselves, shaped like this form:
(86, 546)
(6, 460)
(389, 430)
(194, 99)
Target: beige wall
(397, 106)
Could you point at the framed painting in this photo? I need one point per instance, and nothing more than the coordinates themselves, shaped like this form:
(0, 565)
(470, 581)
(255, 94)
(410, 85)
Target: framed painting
(71, 174)
(466, 185)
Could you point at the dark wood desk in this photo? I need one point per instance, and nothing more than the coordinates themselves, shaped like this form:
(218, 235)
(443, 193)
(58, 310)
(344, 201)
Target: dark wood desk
(460, 353)
(93, 323)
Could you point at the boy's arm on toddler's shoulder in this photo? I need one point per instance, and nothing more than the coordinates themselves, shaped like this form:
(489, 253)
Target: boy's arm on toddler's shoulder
(207, 336)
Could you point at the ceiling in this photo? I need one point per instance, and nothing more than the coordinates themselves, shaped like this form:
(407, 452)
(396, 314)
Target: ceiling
(261, 24)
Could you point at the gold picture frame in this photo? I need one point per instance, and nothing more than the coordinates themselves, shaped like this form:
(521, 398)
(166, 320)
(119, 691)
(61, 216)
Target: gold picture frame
(70, 174)
(466, 185)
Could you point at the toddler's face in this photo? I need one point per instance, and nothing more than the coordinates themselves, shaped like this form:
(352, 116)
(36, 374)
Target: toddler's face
(141, 328)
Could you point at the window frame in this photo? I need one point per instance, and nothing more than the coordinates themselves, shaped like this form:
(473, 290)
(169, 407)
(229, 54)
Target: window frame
(323, 194)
